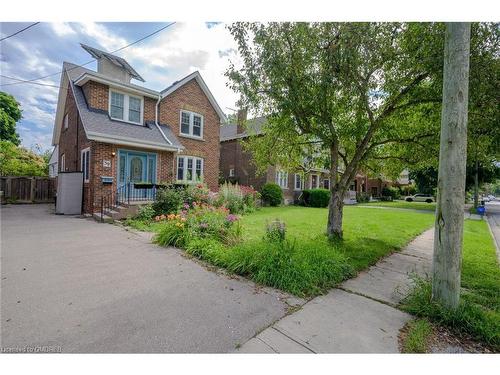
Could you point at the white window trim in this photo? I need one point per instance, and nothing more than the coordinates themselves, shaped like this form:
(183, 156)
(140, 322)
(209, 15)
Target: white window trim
(311, 181)
(81, 163)
(66, 121)
(126, 98)
(191, 120)
(184, 172)
(278, 178)
(231, 172)
(63, 163)
(295, 182)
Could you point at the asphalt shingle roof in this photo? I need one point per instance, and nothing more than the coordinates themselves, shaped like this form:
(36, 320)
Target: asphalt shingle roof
(98, 121)
(253, 127)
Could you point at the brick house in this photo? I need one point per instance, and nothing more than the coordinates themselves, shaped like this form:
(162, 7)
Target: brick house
(120, 134)
(237, 166)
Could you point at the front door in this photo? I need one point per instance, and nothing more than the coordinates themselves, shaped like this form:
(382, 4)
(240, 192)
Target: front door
(133, 168)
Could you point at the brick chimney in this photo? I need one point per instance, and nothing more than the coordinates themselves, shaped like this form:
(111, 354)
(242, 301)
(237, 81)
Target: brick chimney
(241, 120)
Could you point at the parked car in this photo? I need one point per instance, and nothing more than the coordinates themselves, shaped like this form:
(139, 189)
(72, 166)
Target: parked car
(420, 198)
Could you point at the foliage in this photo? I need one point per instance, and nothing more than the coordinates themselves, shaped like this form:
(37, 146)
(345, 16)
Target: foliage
(271, 194)
(479, 310)
(201, 221)
(315, 197)
(145, 212)
(18, 161)
(275, 231)
(392, 192)
(168, 200)
(417, 337)
(238, 199)
(196, 193)
(10, 114)
(362, 197)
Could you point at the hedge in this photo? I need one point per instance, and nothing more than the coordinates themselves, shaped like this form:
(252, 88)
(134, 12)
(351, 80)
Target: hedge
(316, 197)
(271, 194)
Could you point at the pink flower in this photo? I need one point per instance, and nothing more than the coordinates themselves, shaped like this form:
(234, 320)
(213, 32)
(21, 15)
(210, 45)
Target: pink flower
(232, 218)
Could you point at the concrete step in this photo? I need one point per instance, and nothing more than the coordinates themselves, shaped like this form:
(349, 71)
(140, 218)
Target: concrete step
(105, 218)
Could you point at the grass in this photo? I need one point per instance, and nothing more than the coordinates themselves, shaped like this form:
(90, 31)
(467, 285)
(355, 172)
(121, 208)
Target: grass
(403, 204)
(417, 337)
(307, 264)
(479, 312)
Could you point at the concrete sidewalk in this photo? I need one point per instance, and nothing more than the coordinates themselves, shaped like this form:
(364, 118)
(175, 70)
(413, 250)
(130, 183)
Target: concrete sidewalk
(358, 317)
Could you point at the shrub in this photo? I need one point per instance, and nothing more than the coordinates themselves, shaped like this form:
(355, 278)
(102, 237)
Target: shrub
(362, 197)
(316, 197)
(238, 199)
(168, 200)
(198, 193)
(145, 212)
(202, 221)
(392, 192)
(275, 231)
(272, 194)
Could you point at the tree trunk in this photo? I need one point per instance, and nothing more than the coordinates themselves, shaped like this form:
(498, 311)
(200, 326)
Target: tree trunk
(452, 161)
(335, 214)
(476, 184)
(336, 204)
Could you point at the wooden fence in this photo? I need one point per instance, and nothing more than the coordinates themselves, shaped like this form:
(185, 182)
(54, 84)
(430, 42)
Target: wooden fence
(17, 189)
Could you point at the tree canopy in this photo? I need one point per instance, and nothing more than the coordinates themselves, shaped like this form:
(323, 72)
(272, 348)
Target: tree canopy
(10, 114)
(19, 161)
(367, 95)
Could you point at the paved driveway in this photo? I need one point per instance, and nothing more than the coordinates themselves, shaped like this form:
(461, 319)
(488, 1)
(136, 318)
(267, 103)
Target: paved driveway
(90, 287)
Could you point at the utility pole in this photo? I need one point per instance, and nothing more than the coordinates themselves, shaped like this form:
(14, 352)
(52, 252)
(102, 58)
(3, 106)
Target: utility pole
(448, 235)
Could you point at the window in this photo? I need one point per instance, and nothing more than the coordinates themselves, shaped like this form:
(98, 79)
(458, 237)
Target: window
(66, 123)
(63, 162)
(326, 183)
(125, 107)
(282, 179)
(85, 164)
(191, 124)
(189, 169)
(314, 181)
(231, 172)
(298, 182)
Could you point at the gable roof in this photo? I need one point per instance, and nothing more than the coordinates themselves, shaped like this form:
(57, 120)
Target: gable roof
(253, 127)
(116, 60)
(99, 126)
(197, 76)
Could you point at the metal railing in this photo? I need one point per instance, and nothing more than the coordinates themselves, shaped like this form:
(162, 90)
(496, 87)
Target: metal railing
(126, 194)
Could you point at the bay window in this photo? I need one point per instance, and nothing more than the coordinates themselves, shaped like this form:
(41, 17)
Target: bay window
(189, 169)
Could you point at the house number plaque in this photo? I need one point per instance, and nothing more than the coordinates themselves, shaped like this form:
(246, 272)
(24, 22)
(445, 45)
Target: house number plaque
(106, 163)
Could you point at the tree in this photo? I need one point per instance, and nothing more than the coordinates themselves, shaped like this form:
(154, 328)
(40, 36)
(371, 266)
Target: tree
(448, 233)
(10, 114)
(18, 161)
(358, 91)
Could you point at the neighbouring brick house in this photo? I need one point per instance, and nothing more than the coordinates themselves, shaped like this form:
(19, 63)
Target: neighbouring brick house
(122, 133)
(237, 166)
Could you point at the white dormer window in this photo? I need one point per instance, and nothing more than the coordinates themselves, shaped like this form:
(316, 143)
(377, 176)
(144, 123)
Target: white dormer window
(191, 124)
(125, 107)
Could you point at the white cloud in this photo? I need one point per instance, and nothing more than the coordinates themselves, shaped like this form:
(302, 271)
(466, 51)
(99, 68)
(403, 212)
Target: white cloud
(62, 29)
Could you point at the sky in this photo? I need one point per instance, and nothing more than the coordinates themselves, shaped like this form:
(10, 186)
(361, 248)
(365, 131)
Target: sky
(161, 60)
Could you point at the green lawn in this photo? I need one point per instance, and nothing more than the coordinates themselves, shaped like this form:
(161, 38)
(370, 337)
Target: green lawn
(368, 234)
(307, 263)
(403, 204)
(479, 312)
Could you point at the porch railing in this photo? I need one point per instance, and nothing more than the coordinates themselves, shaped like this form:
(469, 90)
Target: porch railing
(131, 192)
